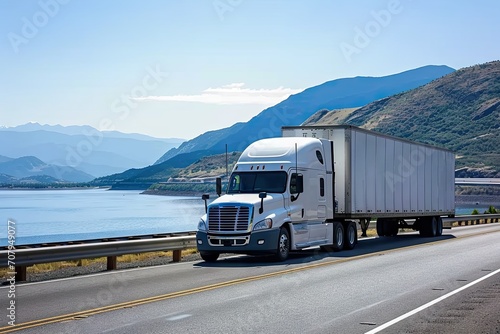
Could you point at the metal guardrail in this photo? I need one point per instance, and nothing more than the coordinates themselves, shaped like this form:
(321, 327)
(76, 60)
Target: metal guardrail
(45, 253)
(21, 258)
(471, 219)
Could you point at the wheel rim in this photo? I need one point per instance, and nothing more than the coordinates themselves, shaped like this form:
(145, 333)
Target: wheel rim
(283, 244)
(339, 237)
(351, 235)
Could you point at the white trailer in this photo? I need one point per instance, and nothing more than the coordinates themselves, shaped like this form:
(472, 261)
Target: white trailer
(308, 187)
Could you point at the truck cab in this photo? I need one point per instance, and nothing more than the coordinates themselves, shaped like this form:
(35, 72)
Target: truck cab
(279, 198)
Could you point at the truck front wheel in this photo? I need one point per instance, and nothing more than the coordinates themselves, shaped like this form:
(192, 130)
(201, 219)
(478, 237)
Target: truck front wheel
(283, 245)
(209, 256)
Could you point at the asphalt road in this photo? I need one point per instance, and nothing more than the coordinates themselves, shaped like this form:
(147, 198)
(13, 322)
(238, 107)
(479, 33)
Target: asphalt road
(405, 284)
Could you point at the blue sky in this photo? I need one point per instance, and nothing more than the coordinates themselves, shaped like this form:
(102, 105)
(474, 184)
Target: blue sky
(178, 68)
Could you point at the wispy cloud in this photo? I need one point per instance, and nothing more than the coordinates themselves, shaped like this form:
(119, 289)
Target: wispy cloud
(234, 93)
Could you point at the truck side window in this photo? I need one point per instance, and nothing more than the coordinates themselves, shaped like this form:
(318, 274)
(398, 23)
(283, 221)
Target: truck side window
(321, 187)
(235, 184)
(319, 156)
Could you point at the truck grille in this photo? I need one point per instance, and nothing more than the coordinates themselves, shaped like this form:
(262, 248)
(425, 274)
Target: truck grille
(228, 218)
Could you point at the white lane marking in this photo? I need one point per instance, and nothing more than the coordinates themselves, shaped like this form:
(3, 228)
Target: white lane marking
(429, 304)
(239, 297)
(179, 317)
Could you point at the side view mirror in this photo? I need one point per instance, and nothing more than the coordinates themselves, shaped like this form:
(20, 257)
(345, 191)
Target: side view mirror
(299, 187)
(205, 197)
(296, 185)
(262, 195)
(218, 186)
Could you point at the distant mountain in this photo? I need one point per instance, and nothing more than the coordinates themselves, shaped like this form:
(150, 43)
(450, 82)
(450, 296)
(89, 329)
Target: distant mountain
(29, 167)
(67, 130)
(460, 111)
(40, 179)
(340, 93)
(4, 159)
(83, 147)
(4, 178)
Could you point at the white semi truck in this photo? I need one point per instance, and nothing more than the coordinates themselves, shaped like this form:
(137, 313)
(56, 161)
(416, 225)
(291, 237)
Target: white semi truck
(310, 187)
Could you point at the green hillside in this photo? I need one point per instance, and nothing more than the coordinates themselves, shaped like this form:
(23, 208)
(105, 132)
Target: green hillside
(460, 111)
(210, 166)
(185, 181)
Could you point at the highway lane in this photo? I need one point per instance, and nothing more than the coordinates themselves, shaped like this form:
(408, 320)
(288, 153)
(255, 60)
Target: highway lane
(353, 291)
(474, 310)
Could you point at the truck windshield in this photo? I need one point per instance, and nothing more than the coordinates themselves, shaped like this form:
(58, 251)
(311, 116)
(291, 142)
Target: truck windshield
(256, 182)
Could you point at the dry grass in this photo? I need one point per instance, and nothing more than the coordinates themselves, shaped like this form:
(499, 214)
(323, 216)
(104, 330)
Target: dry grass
(127, 258)
(371, 232)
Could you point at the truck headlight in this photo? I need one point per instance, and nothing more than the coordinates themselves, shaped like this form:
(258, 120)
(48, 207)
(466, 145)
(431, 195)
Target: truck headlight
(263, 224)
(202, 226)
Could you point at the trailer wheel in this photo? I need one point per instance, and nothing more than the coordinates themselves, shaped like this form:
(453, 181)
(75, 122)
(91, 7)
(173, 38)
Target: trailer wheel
(439, 231)
(391, 228)
(381, 227)
(351, 235)
(338, 236)
(283, 245)
(429, 227)
(209, 256)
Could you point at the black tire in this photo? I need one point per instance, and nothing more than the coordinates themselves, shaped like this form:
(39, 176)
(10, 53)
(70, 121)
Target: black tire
(209, 256)
(433, 227)
(391, 228)
(423, 226)
(439, 231)
(338, 236)
(350, 235)
(428, 227)
(381, 223)
(283, 245)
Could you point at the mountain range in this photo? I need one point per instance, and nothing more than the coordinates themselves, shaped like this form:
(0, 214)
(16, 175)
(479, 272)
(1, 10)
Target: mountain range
(84, 148)
(30, 169)
(460, 111)
(340, 93)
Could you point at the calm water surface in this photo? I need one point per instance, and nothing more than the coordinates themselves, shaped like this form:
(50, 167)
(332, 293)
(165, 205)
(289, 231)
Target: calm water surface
(65, 215)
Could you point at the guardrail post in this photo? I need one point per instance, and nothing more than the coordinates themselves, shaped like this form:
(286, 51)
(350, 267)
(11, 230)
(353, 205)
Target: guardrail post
(111, 263)
(21, 273)
(176, 255)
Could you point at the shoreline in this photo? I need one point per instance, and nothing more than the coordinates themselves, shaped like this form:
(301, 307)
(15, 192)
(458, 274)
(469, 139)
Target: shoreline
(53, 188)
(175, 193)
(477, 200)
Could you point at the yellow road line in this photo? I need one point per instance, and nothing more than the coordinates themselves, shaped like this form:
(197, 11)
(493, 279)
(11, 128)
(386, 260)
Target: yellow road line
(133, 303)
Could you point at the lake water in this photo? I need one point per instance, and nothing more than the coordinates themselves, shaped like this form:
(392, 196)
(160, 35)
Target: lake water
(66, 215)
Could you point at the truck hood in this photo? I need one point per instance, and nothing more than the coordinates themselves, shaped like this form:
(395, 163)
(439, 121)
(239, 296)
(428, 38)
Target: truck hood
(252, 199)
